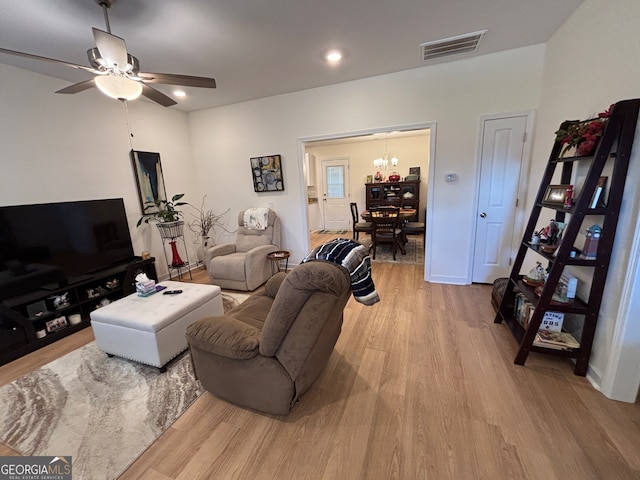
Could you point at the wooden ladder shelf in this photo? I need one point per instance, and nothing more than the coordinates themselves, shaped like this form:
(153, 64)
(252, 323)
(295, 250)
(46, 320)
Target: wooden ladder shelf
(613, 151)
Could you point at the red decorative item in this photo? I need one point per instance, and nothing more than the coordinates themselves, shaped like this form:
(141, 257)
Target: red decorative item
(394, 177)
(176, 261)
(568, 201)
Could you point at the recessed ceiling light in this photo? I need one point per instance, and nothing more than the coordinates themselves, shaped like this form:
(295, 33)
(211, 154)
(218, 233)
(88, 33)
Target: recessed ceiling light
(180, 93)
(333, 56)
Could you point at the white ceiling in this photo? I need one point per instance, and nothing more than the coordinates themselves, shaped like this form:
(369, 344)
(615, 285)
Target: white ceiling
(258, 48)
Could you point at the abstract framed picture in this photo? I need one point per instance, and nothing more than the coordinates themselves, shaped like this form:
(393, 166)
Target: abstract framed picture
(149, 180)
(267, 174)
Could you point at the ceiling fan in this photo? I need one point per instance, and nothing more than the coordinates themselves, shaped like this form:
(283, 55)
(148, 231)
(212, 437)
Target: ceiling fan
(117, 72)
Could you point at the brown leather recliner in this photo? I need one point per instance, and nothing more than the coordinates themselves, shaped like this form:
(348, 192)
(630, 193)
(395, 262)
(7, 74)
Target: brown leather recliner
(270, 349)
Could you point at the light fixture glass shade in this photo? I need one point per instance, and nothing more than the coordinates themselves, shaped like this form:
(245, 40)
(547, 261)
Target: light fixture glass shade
(383, 162)
(120, 88)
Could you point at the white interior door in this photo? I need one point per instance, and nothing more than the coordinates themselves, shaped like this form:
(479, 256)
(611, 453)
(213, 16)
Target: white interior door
(335, 198)
(502, 153)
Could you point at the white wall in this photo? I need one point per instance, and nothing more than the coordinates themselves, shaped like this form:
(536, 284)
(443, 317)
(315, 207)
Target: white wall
(590, 63)
(76, 147)
(453, 94)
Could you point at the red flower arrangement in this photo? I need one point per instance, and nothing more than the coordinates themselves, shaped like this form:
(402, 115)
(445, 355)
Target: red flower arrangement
(584, 136)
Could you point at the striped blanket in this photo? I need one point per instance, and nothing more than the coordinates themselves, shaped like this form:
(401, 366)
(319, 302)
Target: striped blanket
(355, 258)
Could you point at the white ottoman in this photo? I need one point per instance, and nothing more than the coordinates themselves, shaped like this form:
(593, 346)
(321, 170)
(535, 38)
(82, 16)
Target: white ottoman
(151, 330)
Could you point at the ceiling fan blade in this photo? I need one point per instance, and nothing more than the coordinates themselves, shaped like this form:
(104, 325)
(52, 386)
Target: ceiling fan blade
(78, 87)
(47, 59)
(182, 80)
(112, 49)
(156, 96)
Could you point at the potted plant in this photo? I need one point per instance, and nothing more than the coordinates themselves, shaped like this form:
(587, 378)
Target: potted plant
(204, 221)
(169, 223)
(166, 211)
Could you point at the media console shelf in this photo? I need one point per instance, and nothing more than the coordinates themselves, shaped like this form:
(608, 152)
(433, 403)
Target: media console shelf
(40, 317)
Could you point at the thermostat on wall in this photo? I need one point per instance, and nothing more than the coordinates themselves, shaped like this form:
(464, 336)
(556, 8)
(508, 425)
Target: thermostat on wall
(450, 177)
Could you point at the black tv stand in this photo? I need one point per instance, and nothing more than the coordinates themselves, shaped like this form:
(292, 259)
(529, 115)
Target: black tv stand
(32, 320)
(77, 279)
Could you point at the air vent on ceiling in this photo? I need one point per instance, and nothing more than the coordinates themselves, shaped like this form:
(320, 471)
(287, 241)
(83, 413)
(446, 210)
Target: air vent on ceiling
(467, 43)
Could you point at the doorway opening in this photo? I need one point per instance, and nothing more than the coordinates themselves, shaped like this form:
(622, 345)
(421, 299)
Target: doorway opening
(411, 145)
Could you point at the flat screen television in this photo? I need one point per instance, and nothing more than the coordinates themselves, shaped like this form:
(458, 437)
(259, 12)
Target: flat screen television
(65, 242)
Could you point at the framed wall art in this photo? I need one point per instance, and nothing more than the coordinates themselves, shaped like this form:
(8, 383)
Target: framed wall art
(556, 195)
(149, 180)
(267, 174)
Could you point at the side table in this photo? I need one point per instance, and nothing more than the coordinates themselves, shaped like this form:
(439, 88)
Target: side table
(277, 256)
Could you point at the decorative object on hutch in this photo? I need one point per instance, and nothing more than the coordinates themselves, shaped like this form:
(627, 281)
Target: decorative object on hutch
(613, 149)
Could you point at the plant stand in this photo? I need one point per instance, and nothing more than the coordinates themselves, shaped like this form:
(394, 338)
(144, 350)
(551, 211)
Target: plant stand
(170, 232)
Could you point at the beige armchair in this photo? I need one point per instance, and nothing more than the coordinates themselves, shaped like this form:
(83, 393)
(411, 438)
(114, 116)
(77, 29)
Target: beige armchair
(243, 265)
(269, 350)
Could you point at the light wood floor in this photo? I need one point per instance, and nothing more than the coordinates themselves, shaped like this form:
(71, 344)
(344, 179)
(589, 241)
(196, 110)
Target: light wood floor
(420, 386)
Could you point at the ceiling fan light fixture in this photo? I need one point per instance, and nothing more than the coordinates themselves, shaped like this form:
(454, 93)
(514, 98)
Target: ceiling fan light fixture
(120, 88)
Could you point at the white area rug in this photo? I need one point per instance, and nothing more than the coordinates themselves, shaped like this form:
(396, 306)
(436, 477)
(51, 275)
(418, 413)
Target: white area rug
(103, 412)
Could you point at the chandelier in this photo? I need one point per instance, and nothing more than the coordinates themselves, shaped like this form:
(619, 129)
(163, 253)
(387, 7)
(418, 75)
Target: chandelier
(383, 162)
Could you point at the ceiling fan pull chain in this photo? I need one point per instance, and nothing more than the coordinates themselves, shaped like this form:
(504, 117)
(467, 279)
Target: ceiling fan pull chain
(125, 106)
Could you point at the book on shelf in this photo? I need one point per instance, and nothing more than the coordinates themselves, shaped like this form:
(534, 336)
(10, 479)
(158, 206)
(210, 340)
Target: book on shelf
(598, 196)
(523, 310)
(555, 340)
(551, 321)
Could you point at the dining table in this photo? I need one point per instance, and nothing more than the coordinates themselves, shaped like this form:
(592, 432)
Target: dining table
(403, 214)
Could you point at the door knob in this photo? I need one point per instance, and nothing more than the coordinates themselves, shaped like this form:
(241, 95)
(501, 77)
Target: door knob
(483, 215)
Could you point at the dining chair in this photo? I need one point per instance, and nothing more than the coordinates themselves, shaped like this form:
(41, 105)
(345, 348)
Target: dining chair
(386, 230)
(413, 228)
(359, 227)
